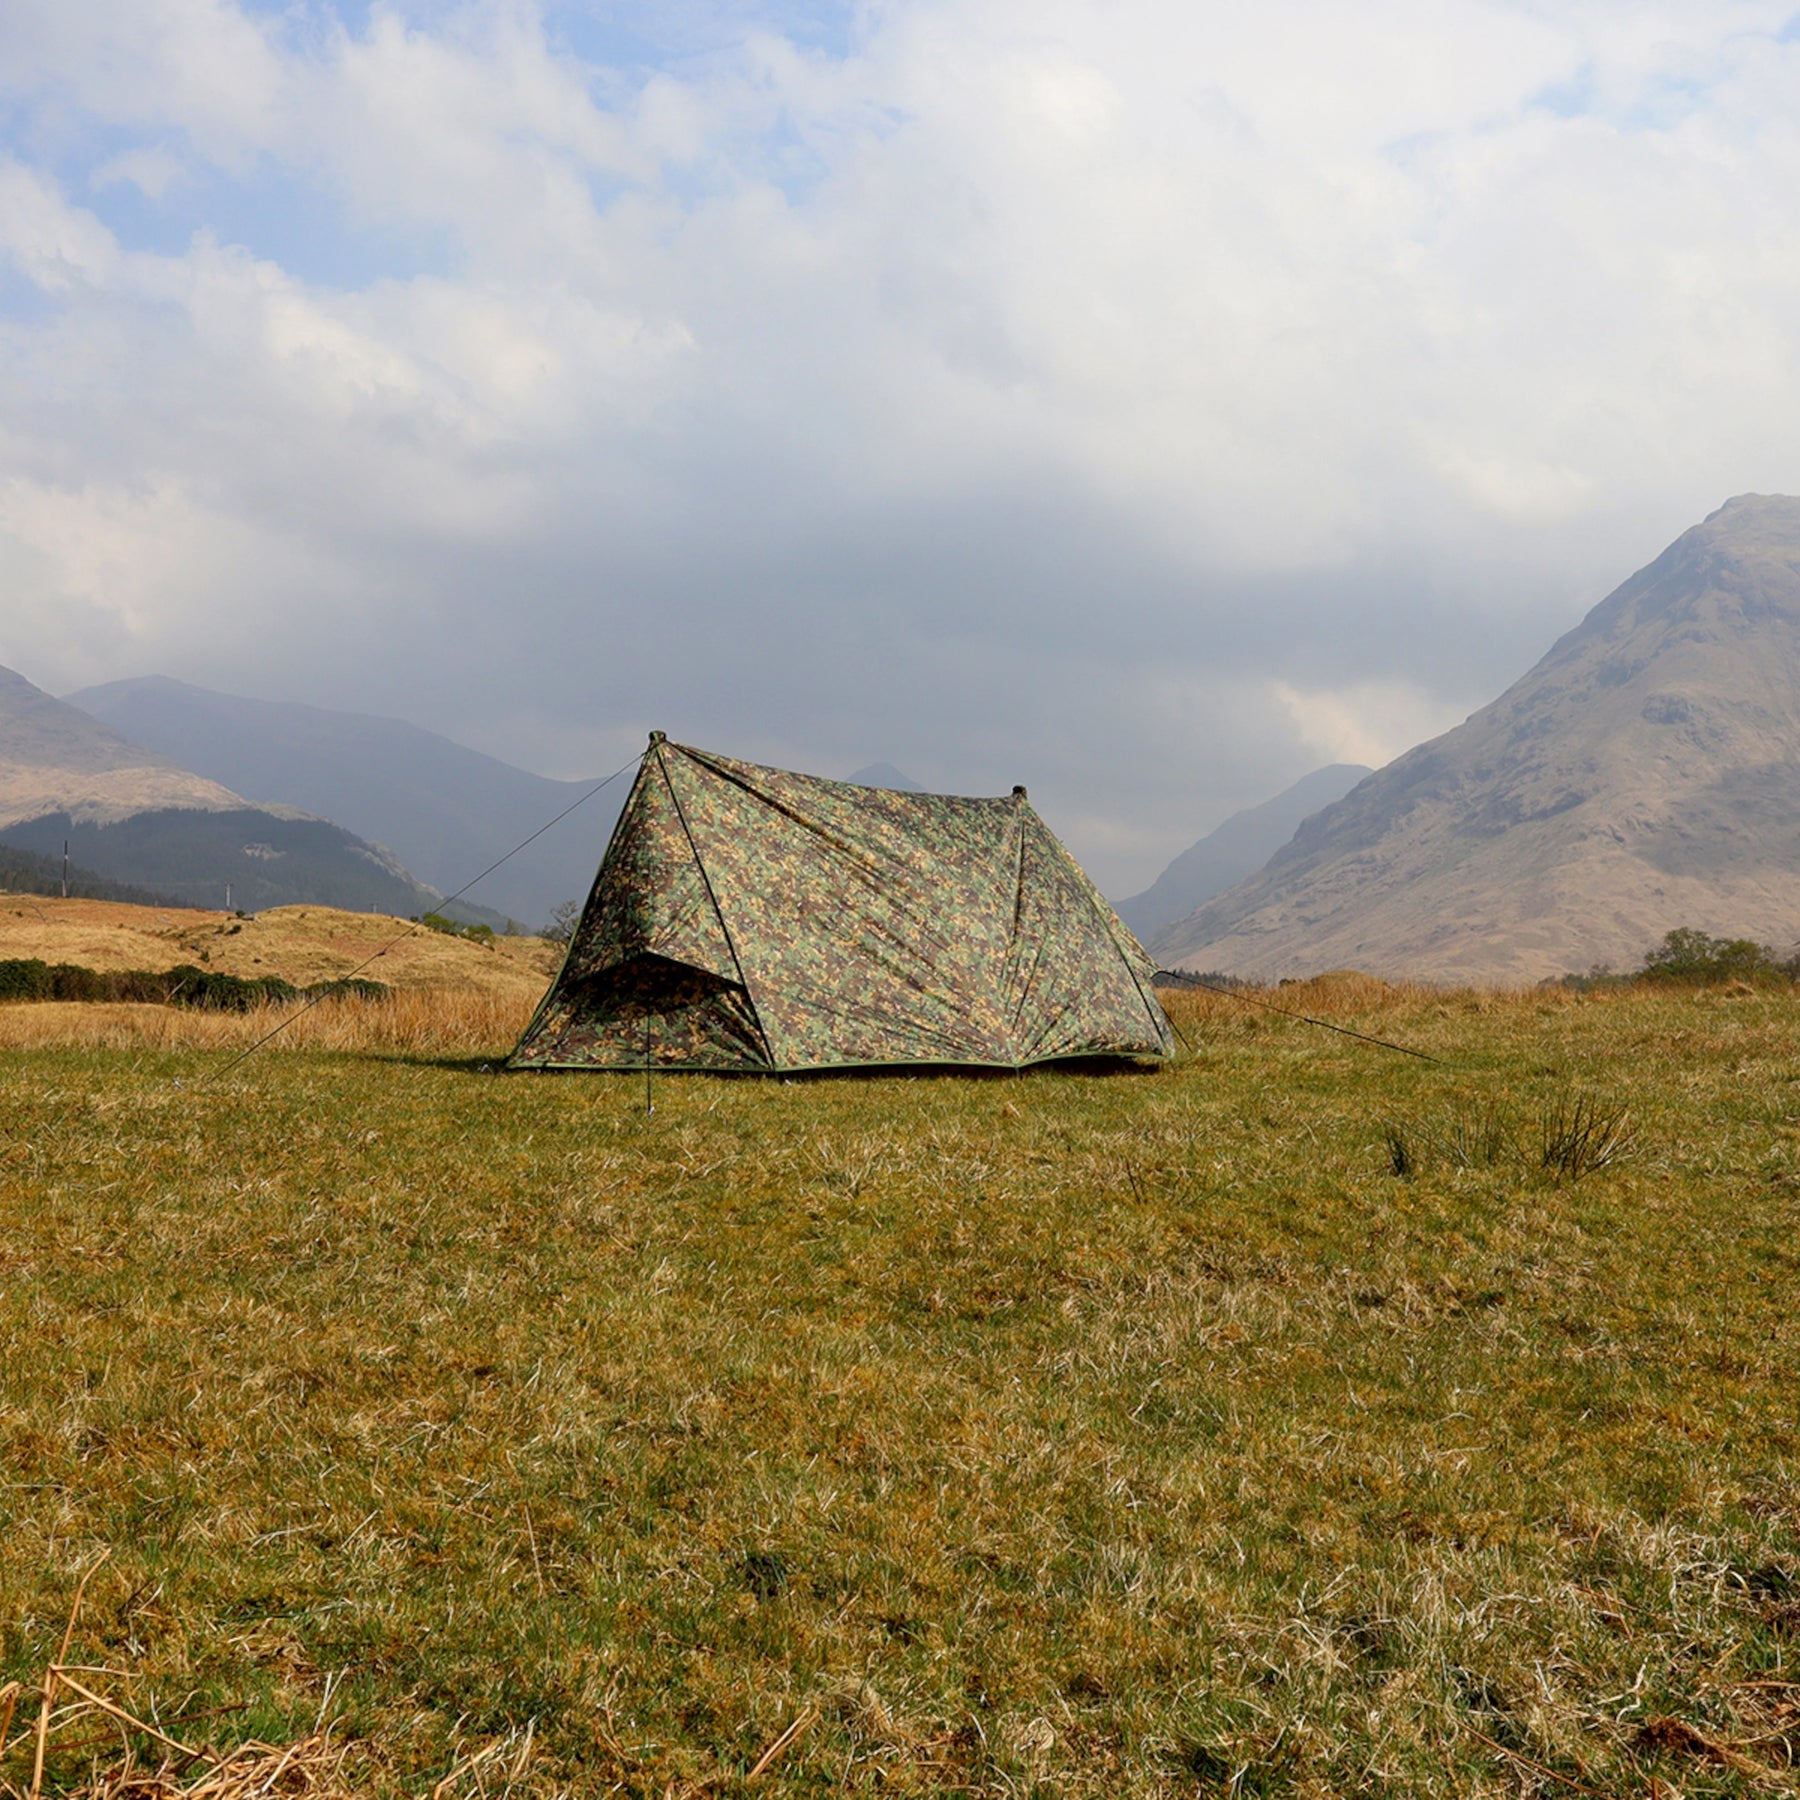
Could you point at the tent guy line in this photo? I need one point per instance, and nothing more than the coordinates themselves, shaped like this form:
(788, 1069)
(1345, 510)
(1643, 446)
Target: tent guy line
(1287, 1012)
(417, 925)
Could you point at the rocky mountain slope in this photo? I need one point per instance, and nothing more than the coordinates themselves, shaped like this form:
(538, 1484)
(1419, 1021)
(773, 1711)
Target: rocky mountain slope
(1234, 850)
(446, 811)
(1645, 775)
(137, 816)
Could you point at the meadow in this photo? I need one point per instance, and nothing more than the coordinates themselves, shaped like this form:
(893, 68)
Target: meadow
(1074, 1433)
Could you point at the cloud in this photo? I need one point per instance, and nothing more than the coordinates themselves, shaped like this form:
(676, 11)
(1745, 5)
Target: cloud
(152, 171)
(1144, 403)
(1369, 722)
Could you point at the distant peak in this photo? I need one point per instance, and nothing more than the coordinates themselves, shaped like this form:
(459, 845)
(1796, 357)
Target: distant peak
(1765, 521)
(885, 775)
(1753, 503)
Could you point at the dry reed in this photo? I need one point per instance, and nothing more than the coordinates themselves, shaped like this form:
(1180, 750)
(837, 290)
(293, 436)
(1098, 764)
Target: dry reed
(450, 1020)
(417, 1021)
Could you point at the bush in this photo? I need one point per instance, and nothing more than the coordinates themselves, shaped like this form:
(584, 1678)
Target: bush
(203, 990)
(476, 934)
(139, 987)
(69, 981)
(212, 992)
(1690, 956)
(25, 978)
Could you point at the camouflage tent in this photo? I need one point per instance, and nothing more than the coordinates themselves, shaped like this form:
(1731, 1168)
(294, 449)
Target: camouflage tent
(748, 918)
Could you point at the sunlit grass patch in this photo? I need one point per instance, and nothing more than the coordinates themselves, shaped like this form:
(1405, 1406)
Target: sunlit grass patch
(1074, 1434)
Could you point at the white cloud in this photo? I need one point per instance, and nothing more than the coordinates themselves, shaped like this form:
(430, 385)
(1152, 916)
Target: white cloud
(204, 67)
(1368, 722)
(152, 170)
(52, 244)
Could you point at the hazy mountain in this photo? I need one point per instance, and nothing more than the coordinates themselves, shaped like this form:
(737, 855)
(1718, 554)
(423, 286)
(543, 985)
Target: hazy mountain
(248, 858)
(885, 775)
(1234, 850)
(444, 810)
(135, 815)
(1645, 775)
(56, 758)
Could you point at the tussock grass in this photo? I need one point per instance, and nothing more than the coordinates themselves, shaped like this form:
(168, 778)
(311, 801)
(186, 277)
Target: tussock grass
(1069, 1434)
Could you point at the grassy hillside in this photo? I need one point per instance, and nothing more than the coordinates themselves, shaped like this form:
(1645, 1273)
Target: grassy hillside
(1069, 1434)
(302, 944)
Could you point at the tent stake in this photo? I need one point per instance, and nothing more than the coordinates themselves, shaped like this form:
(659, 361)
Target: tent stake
(649, 1104)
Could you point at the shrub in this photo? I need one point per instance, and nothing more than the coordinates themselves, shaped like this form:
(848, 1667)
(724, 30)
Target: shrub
(1687, 955)
(203, 990)
(140, 987)
(69, 981)
(226, 993)
(25, 978)
(436, 921)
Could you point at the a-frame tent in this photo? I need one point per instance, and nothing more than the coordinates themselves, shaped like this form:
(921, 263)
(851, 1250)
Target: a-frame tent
(747, 918)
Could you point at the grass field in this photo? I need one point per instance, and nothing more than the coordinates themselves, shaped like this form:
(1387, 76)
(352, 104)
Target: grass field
(1068, 1434)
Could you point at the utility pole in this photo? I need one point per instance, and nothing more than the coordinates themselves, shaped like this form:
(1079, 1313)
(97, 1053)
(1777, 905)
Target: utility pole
(65, 892)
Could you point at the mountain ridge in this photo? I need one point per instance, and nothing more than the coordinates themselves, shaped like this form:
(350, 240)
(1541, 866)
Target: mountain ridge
(1644, 774)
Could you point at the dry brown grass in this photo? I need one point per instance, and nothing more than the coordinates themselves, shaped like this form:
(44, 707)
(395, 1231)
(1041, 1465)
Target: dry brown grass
(414, 1022)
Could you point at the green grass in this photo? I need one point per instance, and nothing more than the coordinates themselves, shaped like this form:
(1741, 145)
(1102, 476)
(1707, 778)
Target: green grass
(1064, 1434)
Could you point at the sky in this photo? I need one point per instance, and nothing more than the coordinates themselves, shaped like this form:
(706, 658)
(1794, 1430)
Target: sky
(1145, 402)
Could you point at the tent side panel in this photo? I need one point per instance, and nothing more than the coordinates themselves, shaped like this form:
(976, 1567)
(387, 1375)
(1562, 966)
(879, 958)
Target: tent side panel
(1073, 982)
(650, 898)
(870, 924)
(648, 1012)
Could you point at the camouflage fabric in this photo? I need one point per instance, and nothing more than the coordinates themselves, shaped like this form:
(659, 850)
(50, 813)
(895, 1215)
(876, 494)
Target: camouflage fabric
(751, 918)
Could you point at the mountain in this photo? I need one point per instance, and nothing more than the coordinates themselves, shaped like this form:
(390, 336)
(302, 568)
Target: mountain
(1644, 775)
(136, 816)
(246, 857)
(444, 810)
(56, 758)
(1234, 850)
(885, 775)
